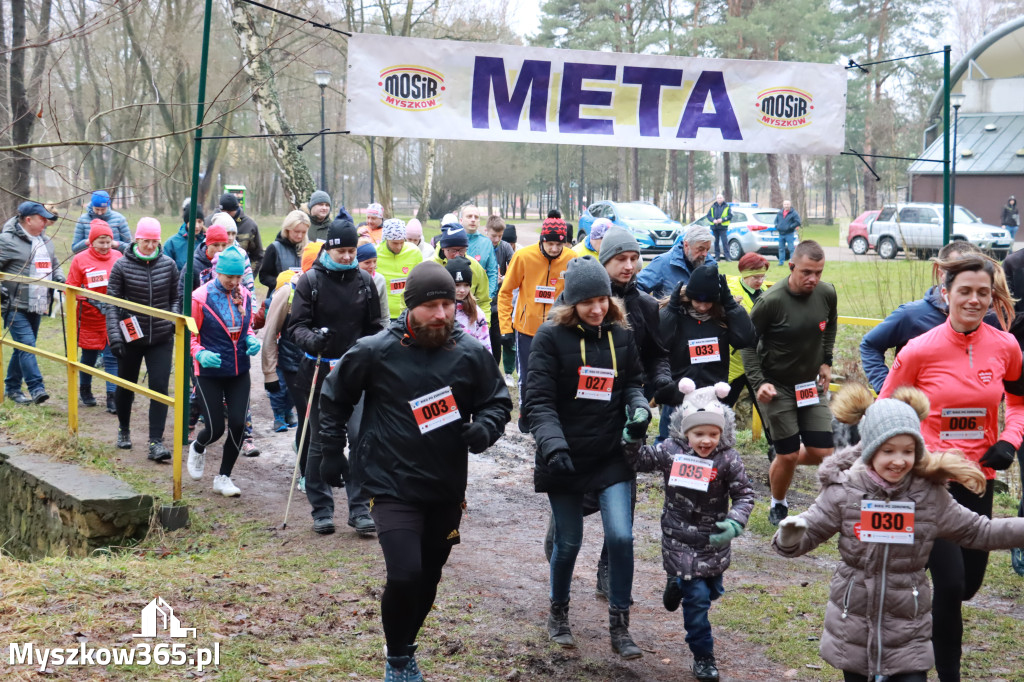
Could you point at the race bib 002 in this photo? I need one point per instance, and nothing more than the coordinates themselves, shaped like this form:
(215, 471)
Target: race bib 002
(962, 423)
(891, 522)
(434, 410)
(595, 383)
(806, 394)
(690, 472)
(704, 350)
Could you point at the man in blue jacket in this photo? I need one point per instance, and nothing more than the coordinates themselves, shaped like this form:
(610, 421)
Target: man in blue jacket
(480, 247)
(176, 246)
(660, 278)
(787, 222)
(99, 207)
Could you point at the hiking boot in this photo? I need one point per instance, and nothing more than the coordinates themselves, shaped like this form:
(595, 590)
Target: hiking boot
(158, 452)
(549, 538)
(618, 628)
(280, 425)
(85, 395)
(40, 396)
(673, 594)
(1017, 560)
(249, 448)
(222, 484)
(601, 590)
(778, 512)
(111, 406)
(558, 625)
(324, 526)
(124, 439)
(18, 397)
(364, 525)
(705, 669)
(196, 461)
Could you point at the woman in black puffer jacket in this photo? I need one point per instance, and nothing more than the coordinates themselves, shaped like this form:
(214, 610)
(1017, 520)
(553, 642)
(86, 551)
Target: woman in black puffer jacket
(585, 387)
(147, 277)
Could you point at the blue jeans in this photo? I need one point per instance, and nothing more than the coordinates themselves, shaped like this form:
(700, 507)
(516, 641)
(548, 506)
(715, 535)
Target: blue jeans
(23, 328)
(787, 243)
(1012, 229)
(281, 401)
(567, 512)
(89, 356)
(719, 236)
(665, 416)
(697, 597)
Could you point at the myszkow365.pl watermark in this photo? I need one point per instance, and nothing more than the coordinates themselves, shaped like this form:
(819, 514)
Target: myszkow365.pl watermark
(157, 617)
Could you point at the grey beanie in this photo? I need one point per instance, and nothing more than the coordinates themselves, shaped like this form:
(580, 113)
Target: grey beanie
(616, 241)
(884, 419)
(697, 234)
(585, 278)
(319, 197)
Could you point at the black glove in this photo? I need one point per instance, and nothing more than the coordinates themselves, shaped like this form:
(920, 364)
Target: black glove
(118, 349)
(561, 463)
(675, 300)
(669, 395)
(999, 457)
(320, 341)
(333, 470)
(725, 296)
(272, 387)
(476, 437)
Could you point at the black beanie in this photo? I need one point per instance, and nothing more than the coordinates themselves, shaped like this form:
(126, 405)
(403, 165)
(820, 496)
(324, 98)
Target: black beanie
(509, 235)
(228, 202)
(428, 281)
(703, 285)
(460, 270)
(341, 233)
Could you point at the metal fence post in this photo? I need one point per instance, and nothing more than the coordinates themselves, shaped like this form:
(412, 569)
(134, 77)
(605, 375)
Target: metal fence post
(180, 357)
(71, 303)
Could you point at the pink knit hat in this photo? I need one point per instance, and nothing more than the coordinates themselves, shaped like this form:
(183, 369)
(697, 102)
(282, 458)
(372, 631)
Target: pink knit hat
(413, 229)
(148, 228)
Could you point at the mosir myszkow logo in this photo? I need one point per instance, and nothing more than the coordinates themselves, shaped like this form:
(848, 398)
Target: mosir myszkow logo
(411, 87)
(158, 620)
(784, 107)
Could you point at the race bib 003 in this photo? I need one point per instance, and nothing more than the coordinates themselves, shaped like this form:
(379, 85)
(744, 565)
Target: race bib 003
(806, 394)
(690, 472)
(595, 383)
(434, 410)
(891, 522)
(704, 350)
(962, 423)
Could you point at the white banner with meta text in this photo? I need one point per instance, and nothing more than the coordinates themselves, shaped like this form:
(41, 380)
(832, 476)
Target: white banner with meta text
(447, 89)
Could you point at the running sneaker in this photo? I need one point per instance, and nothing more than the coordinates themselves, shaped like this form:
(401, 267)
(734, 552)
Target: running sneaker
(280, 425)
(196, 462)
(124, 439)
(158, 452)
(222, 484)
(249, 448)
(778, 512)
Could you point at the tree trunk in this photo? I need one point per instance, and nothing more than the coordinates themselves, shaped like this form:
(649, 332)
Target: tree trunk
(621, 175)
(666, 185)
(775, 194)
(797, 191)
(428, 181)
(675, 186)
(829, 218)
(636, 174)
(691, 186)
(744, 177)
(726, 176)
(296, 179)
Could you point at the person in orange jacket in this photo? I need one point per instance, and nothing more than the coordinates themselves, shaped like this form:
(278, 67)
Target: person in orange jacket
(539, 275)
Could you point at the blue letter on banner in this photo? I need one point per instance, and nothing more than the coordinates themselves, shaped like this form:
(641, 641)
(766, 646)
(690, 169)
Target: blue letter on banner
(490, 71)
(651, 81)
(574, 96)
(723, 118)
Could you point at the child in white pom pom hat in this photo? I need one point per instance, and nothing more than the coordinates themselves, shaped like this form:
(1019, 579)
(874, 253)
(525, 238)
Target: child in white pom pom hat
(703, 472)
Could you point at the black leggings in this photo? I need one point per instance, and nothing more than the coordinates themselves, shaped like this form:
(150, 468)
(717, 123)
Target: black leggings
(957, 574)
(158, 365)
(299, 396)
(416, 542)
(898, 677)
(212, 393)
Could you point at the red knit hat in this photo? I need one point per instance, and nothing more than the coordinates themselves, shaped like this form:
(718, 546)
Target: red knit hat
(98, 228)
(216, 234)
(554, 230)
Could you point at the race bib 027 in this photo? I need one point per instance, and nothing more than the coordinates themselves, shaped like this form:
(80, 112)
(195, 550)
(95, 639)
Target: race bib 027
(595, 383)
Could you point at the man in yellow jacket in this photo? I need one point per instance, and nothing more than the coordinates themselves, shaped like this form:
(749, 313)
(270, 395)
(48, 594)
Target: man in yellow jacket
(395, 260)
(454, 243)
(538, 272)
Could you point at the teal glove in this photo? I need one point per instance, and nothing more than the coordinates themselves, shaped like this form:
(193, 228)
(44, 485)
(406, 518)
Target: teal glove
(637, 420)
(252, 345)
(208, 359)
(730, 529)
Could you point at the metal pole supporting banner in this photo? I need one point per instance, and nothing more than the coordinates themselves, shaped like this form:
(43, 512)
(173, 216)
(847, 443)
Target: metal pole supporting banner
(323, 144)
(373, 169)
(947, 216)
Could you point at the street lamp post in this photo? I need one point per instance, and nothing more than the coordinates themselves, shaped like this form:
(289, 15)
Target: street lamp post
(956, 100)
(323, 78)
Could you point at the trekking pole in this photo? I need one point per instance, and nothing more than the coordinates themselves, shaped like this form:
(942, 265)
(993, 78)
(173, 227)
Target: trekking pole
(302, 436)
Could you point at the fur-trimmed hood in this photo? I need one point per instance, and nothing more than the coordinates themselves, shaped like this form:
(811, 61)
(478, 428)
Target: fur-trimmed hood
(727, 441)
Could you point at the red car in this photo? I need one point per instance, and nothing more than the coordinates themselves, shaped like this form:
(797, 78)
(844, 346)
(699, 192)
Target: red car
(857, 237)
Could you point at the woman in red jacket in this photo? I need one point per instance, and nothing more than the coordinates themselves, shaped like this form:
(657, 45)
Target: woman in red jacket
(965, 367)
(90, 269)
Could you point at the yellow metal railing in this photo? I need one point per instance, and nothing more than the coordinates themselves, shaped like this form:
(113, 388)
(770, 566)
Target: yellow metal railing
(182, 325)
(755, 417)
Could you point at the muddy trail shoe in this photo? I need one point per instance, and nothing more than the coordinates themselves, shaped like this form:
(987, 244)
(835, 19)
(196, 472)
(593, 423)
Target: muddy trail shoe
(158, 452)
(18, 397)
(601, 589)
(324, 526)
(777, 513)
(618, 628)
(558, 625)
(364, 526)
(87, 398)
(705, 669)
(249, 448)
(111, 407)
(673, 594)
(401, 669)
(124, 439)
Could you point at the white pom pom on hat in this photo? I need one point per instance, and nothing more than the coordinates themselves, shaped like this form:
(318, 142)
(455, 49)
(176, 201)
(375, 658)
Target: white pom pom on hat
(686, 385)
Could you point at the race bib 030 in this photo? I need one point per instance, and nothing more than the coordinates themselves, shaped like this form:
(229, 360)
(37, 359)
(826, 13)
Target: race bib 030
(890, 522)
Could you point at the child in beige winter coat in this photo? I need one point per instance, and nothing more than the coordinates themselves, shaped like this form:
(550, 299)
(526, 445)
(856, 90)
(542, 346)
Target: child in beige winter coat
(887, 499)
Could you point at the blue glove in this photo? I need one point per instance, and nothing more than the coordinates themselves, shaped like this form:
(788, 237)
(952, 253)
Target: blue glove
(730, 529)
(637, 421)
(208, 359)
(252, 345)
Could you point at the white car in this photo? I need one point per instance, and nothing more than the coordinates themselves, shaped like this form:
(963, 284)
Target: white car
(751, 229)
(917, 227)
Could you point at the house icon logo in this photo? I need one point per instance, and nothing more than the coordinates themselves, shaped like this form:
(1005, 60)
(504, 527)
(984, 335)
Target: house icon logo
(158, 616)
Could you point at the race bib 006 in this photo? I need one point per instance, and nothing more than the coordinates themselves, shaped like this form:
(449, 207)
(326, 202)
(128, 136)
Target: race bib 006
(962, 423)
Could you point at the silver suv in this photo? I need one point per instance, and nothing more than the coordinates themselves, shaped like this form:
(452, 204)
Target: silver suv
(917, 227)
